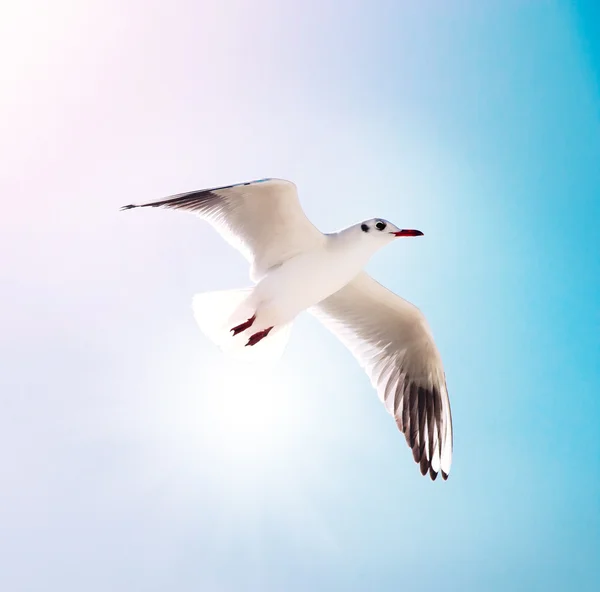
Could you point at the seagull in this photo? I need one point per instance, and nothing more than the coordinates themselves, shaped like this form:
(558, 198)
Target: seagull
(295, 267)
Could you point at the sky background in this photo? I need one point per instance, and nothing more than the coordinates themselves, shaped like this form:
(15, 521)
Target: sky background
(135, 457)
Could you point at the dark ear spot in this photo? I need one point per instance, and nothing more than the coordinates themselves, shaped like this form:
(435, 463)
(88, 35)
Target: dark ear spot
(364, 228)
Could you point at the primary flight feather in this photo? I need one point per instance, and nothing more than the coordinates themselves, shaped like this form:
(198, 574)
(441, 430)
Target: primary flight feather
(295, 267)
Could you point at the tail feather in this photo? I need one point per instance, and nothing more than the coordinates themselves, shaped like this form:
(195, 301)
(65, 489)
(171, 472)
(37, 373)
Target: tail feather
(217, 313)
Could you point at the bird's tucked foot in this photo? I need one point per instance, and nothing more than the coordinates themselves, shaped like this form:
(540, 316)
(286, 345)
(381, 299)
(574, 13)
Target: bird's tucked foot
(254, 339)
(243, 326)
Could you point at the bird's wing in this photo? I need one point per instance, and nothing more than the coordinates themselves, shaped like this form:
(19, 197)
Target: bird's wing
(392, 341)
(262, 219)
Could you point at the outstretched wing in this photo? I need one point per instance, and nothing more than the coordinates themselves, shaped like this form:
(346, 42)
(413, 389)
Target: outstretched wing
(391, 340)
(262, 219)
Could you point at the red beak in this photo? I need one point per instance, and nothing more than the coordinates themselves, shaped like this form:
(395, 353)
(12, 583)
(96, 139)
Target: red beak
(407, 233)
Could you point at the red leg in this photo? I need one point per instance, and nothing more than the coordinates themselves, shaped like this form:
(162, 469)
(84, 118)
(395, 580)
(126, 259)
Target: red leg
(243, 326)
(254, 339)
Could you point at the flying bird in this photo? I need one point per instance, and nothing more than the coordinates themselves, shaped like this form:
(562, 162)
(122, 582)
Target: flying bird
(295, 267)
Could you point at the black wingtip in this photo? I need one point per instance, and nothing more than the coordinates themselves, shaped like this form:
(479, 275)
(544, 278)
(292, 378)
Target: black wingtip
(432, 474)
(444, 476)
(128, 207)
(417, 454)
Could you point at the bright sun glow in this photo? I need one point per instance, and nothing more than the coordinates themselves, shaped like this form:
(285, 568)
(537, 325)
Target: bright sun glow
(249, 409)
(241, 417)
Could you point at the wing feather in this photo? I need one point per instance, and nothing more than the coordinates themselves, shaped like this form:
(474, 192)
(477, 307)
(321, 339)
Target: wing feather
(262, 219)
(391, 340)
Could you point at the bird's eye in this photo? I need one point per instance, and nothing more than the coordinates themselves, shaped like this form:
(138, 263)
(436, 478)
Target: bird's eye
(380, 225)
(364, 228)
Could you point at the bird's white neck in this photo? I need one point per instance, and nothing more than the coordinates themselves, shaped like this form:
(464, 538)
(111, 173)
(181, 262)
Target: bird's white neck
(351, 247)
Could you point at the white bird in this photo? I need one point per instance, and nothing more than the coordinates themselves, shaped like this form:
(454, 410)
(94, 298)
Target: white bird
(295, 267)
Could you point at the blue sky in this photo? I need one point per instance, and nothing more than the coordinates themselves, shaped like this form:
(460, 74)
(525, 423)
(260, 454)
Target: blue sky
(136, 457)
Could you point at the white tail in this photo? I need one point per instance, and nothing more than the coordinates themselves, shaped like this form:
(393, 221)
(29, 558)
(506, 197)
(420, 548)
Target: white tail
(218, 312)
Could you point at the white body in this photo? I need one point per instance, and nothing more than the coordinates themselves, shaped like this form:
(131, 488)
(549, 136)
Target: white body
(307, 279)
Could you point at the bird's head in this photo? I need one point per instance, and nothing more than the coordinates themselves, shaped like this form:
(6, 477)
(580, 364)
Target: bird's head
(382, 231)
(367, 237)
